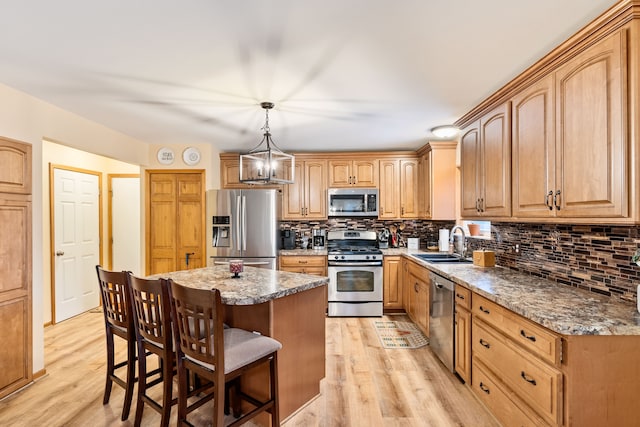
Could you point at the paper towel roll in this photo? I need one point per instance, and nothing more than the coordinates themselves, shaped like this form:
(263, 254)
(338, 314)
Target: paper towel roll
(443, 243)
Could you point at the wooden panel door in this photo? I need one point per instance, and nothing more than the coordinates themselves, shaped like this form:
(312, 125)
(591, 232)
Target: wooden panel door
(409, 188)
(592, 172)
(462, 359)
(191, 221)
(495, 137)
(470, 170)
(315, 189)
(175, 220)
(533, 150)
(389, 185)
(16, 365)
(15, 293)
(365, 173)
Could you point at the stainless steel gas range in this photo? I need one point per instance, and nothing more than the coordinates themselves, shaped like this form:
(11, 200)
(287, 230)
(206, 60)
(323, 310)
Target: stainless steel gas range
(355, 273)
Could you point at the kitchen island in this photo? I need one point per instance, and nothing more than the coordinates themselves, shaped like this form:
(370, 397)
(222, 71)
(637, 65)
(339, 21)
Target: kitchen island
(288, 307)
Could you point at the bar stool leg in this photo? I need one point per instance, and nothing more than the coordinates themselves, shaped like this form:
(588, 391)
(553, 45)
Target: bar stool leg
(131, 378)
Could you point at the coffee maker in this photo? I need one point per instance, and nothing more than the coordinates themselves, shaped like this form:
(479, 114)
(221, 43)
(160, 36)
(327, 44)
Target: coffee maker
(319, 238)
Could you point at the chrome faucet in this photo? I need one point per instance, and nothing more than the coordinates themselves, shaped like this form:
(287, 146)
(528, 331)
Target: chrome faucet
(463, 252)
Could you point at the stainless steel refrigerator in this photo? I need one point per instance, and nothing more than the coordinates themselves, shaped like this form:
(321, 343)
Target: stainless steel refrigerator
(243, 224)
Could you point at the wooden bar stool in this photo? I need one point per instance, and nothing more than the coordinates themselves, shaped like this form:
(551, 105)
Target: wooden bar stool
(219, 355)
(118, 321)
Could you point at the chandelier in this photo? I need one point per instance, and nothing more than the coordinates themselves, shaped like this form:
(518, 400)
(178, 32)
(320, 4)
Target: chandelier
(266, 163)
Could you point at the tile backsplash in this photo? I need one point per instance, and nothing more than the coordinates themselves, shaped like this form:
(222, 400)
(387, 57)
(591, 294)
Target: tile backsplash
(591, 257)
(596, 258)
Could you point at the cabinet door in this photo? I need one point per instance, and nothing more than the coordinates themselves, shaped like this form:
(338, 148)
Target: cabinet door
(470, 170)
(15, 167)
(591, 172)
(293, 195)
(315, 189)
(422, 307)
(533, 150)
(340, 173)
(424, 186)
(495, 181)
(462, 358)
(392, 282)
(409, 189)
(15, 292)
(389, 189)
(365, 173)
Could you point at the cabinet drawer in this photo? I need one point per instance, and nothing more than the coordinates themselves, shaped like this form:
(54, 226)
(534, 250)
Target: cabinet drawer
(535, 382)
(304, 260)
(540, 341)
(463, 297)
(502, 403)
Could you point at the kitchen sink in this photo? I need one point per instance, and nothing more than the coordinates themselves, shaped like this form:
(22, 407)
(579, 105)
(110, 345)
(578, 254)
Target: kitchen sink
(441, 258)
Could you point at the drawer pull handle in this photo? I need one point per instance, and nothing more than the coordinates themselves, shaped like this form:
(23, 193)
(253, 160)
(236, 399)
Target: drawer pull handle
(529, 337)
(527, 378)
(302, 262)
(484, 343)
(484, 388)
(460, 296)
(484, 310)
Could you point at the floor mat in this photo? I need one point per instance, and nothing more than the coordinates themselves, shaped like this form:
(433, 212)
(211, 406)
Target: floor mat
(399, 334)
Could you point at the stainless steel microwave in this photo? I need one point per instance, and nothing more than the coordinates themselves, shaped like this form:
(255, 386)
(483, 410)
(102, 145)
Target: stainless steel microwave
(353, 202)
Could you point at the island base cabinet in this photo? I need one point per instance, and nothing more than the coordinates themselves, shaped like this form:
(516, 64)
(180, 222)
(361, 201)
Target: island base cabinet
(503, 404)
(601, 380)
(298, 322)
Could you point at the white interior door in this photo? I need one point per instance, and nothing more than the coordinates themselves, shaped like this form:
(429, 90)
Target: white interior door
(76, 243)
(125, 224)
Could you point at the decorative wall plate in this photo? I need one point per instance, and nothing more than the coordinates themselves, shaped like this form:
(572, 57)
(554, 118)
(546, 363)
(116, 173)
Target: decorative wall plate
(191, 156)
(166, 156)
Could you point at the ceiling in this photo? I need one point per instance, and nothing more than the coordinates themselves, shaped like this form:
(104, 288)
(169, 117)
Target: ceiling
(344, 75)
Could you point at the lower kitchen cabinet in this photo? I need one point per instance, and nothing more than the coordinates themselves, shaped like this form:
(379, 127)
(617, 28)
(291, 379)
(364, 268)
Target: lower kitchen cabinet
(417, 284)
(462, 333)
(392, 282)
(307, 264)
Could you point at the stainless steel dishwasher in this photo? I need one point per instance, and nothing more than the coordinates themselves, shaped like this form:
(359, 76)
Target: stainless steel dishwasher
(441, 319)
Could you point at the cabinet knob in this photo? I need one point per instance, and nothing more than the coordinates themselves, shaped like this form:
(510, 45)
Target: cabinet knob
(527, 378)
(484, 388)
(556, 200)
(548, 200)
(529, 337)
(484, 310)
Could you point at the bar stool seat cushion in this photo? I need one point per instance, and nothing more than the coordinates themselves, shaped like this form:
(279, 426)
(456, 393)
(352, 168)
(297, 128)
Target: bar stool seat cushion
(242, 347)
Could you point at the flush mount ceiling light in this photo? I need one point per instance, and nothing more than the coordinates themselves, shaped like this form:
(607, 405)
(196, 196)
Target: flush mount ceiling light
(446, 131)
(266, 163)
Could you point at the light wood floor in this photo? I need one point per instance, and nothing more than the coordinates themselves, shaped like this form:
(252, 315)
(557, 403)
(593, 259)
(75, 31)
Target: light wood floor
(365, 385)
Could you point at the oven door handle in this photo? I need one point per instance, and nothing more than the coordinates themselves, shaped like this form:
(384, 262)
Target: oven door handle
(355, 264)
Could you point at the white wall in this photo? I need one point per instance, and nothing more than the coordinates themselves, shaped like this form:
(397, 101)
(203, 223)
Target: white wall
(27, 119)
(60, 155)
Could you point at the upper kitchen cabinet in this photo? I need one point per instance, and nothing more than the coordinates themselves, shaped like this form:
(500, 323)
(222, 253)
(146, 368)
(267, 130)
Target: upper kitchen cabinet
(437, 180)
(569, 142)
(306, 198)
(398, 188)
(485, 157)
(574, 132)
(591, 161)
(353, 173)
(15, 175)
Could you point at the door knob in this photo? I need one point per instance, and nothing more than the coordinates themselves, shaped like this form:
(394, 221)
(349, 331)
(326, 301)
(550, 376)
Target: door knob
(59, 253)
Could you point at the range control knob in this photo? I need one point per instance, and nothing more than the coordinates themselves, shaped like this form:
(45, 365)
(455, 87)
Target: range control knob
(336, 257)
(367, 257)
(342, 257)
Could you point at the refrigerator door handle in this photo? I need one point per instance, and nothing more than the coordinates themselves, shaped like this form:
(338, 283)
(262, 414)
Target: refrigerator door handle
(244, 223)
(237, 220)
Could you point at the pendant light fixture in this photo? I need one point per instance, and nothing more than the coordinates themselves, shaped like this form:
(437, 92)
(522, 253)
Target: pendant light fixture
(266, 163)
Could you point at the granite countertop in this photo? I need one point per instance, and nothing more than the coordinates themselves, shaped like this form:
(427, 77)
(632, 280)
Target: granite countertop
(254, 286)
(564, 309)
(303, 252)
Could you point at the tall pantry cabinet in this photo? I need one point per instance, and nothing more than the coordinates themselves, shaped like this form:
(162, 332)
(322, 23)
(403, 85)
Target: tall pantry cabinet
(15, 266)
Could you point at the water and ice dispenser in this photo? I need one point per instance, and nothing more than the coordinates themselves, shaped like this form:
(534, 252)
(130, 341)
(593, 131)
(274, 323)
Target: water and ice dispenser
(221, 231)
